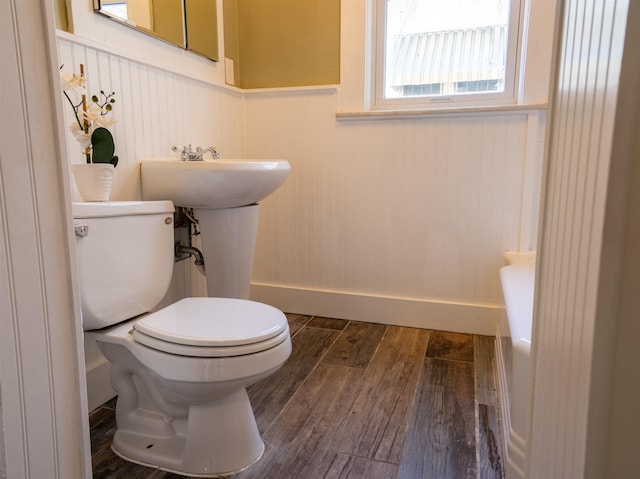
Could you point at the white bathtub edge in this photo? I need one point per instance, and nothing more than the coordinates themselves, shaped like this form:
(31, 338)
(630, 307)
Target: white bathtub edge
(518, 282)
(504, 401)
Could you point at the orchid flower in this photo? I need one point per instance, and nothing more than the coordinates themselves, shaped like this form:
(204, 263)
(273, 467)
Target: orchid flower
(87, 117)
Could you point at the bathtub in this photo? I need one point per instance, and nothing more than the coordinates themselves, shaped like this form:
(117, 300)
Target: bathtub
(514, 357)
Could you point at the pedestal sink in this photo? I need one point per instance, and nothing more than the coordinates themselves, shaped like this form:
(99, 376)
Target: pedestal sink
(225, 194)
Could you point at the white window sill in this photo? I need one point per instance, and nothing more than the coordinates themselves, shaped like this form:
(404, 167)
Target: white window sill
(404, 114)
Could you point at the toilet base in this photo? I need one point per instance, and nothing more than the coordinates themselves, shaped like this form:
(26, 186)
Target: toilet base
(220, 439)
(172, 446)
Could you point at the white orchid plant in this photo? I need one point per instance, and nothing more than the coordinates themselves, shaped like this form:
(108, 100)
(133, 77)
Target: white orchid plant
(92, 121)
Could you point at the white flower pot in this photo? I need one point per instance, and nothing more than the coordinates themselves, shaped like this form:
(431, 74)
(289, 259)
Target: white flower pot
(93, 180)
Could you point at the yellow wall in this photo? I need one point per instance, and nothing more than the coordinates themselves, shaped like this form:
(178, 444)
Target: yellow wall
(284, 42)
(273, 43)
(140, 13)
(62, 16)
(167, 20)
(202, 31)
(231, 48)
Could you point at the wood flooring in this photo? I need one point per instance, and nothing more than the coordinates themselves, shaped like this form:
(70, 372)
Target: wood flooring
(362, 401)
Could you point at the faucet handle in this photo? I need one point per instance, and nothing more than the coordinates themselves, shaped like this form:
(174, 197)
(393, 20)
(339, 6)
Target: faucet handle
(185, 149)
(185, 153)
(198, 154)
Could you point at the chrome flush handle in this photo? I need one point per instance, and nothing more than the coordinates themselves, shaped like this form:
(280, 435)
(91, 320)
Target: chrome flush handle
(81, 230)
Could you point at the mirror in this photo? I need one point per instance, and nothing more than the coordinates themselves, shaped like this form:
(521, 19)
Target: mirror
(189, 24)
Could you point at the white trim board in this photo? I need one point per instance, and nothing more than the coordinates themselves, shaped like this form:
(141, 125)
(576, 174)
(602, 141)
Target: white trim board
(416, 313)
(99, 389)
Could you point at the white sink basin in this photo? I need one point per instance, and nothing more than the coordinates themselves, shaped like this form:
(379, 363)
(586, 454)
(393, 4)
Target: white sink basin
(211, 184)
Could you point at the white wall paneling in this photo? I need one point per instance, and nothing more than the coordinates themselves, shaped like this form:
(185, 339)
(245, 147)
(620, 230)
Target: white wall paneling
(154, 110)
(531, 181)
(421, 209)
(3, 460)
(581, 245)
(615, 429)
(44, 414)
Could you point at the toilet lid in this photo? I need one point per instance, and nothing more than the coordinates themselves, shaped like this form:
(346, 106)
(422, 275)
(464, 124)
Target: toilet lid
(212, 327)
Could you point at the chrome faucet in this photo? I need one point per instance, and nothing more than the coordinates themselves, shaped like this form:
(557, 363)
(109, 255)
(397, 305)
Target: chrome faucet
(201, 151)
(187, 154)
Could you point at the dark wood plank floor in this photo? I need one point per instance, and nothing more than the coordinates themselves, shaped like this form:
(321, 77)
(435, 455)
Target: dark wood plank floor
(362, 401)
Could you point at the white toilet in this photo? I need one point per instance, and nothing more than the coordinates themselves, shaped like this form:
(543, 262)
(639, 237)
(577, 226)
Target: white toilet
(181, 373)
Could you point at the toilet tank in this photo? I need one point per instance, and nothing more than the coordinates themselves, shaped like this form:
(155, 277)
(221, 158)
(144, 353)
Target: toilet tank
(124, 252)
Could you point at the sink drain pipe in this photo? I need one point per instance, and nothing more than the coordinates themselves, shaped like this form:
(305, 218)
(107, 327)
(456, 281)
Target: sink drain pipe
(191, 251)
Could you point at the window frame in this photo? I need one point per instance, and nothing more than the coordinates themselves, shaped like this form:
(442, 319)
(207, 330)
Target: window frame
(509, 96)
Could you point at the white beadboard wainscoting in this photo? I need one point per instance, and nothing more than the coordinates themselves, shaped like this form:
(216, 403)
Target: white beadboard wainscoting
(154, 110)
(585, 379)
(44, 429)
(407, 218)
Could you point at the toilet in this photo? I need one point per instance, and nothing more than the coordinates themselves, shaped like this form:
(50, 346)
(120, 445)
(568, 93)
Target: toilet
(181, 372)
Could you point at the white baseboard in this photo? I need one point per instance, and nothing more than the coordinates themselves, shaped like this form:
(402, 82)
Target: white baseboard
(443, 316)
(99, 389)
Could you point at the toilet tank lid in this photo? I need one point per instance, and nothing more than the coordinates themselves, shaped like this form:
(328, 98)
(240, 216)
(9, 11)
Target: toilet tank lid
(120, 208)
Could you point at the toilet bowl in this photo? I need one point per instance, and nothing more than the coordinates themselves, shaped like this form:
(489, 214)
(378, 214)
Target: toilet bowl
(181, 372)
(182, 401)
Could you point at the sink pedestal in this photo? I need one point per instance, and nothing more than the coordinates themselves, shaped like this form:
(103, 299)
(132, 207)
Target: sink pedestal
(228, 237)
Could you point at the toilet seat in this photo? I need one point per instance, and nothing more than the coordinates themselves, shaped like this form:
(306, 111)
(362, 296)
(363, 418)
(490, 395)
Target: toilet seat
(208, 351)
(212, 327)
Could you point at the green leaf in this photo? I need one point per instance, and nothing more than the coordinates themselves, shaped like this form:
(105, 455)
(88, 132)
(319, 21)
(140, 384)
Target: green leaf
(103, 146)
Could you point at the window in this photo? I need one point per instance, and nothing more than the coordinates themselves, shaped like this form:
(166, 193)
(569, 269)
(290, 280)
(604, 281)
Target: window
(444, 52)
